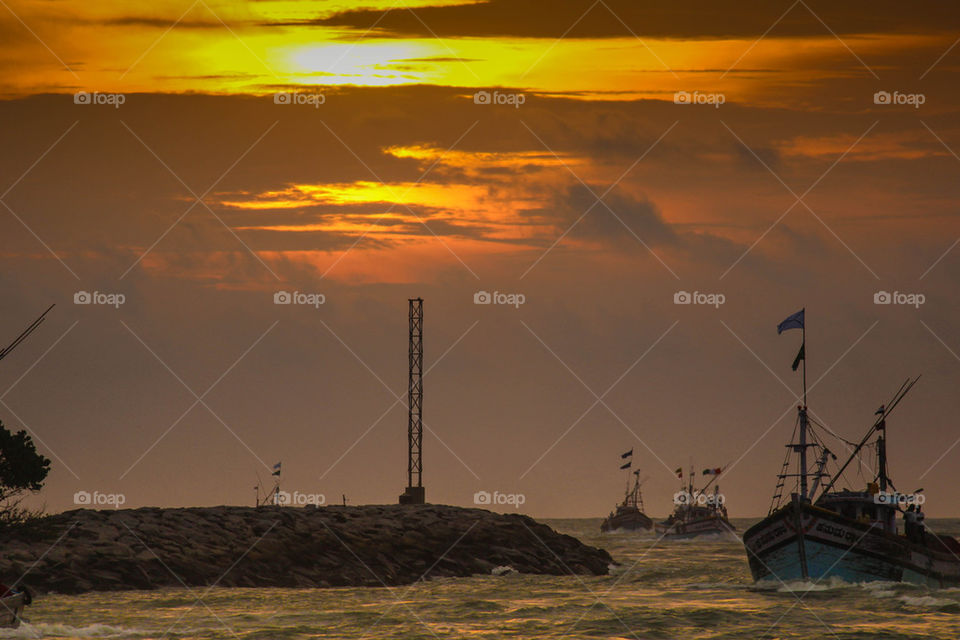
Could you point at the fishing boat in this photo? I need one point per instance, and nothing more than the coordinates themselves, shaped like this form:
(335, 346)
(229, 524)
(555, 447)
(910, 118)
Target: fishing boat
(12, 602)
(697, 512)
(854, 535)
(629, 515)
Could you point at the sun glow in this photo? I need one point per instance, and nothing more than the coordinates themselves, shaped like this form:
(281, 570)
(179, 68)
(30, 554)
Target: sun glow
(367, 64)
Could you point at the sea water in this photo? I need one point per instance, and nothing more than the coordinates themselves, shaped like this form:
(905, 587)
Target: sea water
(693, 589)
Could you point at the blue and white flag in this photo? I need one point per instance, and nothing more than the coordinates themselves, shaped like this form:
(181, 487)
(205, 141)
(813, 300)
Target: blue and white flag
(793, 322)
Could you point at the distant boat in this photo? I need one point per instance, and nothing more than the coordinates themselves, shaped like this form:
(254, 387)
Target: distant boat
(851, 535)
(12, 602)
(697, 512)
(629, 515)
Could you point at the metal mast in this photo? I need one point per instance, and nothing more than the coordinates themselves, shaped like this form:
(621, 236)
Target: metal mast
(802, 446)
(414, 493)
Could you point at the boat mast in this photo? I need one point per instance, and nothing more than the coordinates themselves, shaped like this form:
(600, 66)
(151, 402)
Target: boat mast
(803, 417)
(637, 496)
(802, 445)
(882, 454)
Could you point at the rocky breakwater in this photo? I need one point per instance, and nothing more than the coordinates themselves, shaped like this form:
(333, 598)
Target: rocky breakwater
(150, 548)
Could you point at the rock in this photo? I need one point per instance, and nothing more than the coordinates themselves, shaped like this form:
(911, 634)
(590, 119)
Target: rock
(332, 546)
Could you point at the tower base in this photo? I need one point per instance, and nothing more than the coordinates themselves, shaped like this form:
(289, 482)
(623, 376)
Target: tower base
(413, 495)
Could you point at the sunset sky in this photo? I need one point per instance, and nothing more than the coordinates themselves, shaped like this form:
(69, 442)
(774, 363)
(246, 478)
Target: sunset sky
(199, 157)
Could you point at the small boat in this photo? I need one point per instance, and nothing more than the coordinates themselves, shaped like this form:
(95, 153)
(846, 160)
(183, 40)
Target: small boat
(852, 535)
(12, 602)
(697, 512)
(629, 515)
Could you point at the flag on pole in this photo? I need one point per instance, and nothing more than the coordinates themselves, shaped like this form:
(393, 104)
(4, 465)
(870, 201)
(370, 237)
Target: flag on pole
(879, 412)
(627, 454)
(801, 355)
(627, 465)
(712, 472)
(679, 472)
(792, 322)
(276, 469)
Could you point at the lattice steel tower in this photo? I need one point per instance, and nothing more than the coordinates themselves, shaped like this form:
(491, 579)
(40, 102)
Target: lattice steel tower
(414, 493)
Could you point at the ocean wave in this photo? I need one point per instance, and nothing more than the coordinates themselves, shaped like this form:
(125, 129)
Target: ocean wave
(53, 630)
(929, 602)
(503, 570)
(804, 586)
(876, 588)
(724, 536)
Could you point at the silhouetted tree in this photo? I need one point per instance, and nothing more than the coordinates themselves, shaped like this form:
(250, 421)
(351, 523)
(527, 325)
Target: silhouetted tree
(22, 470)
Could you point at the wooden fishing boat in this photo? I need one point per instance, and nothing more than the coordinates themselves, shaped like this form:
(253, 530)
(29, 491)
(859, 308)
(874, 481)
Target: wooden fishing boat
(697, 512)
(851, 535)
(629, 515)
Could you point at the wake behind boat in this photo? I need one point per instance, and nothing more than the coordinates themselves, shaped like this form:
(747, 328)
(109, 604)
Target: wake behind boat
(852, 535)
(697, 512)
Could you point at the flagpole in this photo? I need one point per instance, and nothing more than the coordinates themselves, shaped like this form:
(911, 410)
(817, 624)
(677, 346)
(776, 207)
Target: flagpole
(803, 345)
(803, 412)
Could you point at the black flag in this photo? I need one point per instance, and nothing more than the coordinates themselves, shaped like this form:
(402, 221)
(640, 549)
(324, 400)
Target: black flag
(801, 355)
(626, 455)
(626, 466)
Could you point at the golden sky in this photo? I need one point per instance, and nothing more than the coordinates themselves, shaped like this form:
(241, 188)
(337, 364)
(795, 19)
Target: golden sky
(629, 150)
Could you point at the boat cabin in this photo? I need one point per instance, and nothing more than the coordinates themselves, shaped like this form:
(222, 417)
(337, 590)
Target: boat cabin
(861, 506)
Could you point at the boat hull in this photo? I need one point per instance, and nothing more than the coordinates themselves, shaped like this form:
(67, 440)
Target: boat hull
(685, 529)
(630, 521)
(805, 542)
(10, 609)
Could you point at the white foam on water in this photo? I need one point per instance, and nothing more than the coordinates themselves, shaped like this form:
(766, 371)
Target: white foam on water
(881, 588)
(54, 630)
(503, 570)
(803, 586)
(720, 536)
(926, 601)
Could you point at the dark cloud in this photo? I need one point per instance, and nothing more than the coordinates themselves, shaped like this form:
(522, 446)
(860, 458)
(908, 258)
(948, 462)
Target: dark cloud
(99, 399)
(618, 218)
(619, 18)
